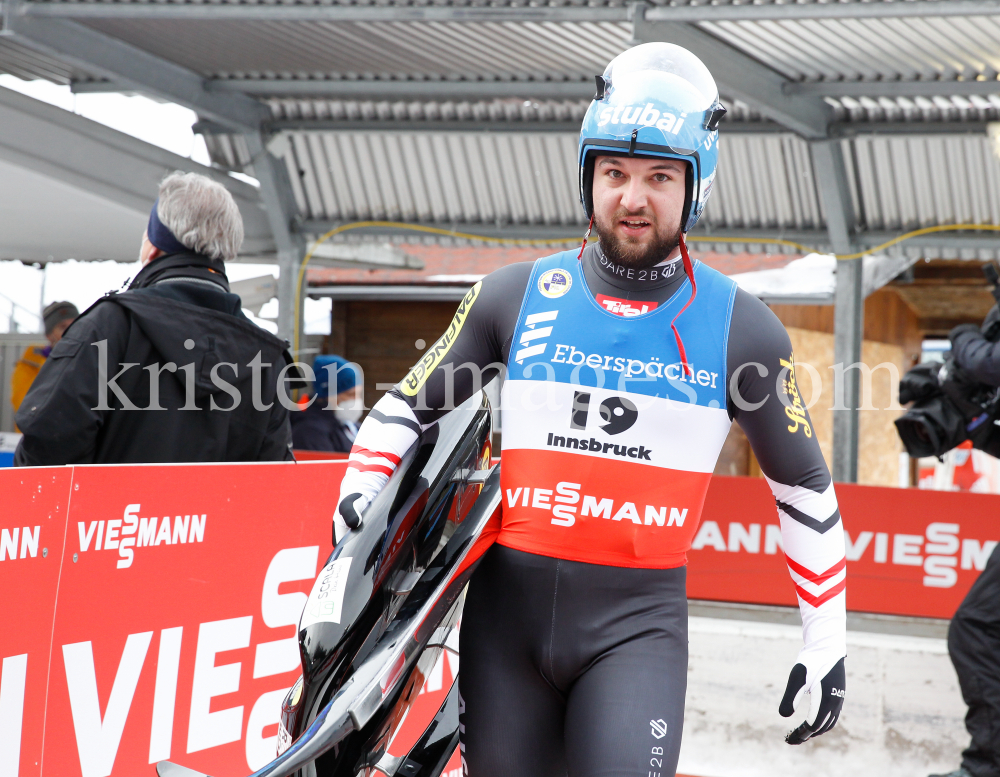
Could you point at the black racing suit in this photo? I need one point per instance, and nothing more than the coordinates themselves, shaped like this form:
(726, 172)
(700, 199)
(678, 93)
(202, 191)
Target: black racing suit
(570, 667)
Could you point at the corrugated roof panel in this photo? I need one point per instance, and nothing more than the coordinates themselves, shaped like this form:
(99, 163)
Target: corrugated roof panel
(260, 49)
(871, 49)
(765, 181)
(318, 152)
(26, 63)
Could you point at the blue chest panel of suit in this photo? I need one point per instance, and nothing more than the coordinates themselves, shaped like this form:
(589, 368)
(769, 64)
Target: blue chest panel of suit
(564, 335)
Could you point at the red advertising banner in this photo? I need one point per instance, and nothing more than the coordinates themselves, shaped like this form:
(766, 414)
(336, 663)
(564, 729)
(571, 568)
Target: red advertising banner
(166, 626)
(909, 552)
(150, 611)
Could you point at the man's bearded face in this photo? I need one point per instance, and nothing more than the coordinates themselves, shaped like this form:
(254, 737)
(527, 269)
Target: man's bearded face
(637, 208)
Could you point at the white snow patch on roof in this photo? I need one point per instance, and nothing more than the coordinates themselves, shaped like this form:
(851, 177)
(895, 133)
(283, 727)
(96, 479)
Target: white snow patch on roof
(811, 275)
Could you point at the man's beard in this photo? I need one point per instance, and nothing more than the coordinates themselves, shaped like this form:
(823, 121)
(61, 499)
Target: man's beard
(631, 253)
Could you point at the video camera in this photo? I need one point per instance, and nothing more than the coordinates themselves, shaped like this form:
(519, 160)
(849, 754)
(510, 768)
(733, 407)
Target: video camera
(949, 405)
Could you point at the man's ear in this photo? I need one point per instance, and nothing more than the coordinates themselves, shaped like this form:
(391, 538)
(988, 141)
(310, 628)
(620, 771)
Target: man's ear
(154, 253)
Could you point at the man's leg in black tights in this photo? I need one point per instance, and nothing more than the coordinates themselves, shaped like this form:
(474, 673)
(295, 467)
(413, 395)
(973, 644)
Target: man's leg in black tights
(625, 714)
(511, 719)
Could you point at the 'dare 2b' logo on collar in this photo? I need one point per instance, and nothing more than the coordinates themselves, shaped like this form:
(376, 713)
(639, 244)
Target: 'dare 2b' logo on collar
(555, 283)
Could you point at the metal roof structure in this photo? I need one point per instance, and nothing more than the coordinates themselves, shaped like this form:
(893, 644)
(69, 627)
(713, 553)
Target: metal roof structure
(853, 120)
(98, 182)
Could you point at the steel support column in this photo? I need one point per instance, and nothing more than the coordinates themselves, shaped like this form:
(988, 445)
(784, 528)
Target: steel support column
(279, 203)
(848, 316)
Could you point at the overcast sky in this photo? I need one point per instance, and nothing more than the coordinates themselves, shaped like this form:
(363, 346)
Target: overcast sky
(25, 290)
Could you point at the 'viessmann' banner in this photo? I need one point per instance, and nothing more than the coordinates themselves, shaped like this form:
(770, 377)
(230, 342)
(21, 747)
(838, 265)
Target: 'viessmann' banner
(909, 552)
(149, 611)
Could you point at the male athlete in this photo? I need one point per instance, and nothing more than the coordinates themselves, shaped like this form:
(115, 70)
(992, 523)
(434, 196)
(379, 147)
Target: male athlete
(626, 363)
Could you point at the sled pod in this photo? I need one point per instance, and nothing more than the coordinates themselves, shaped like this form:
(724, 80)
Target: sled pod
(384, 604)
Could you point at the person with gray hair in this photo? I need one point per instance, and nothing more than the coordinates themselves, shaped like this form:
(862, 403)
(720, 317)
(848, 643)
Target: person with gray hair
(169, 370)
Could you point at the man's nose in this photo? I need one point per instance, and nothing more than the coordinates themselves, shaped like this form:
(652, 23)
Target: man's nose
(634, 195)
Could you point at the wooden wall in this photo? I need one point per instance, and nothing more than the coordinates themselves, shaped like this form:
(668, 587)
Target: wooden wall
(887, 319)
(381, 337)
(893, 333)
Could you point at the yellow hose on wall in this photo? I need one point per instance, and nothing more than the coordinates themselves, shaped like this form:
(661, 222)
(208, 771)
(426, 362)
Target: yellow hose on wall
(526, 242)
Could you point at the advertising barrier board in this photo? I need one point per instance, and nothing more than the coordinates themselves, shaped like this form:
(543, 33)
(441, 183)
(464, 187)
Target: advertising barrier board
(909, 551)
(150, 611)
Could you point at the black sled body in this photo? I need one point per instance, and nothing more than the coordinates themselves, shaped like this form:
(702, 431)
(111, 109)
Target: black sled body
(383, 608)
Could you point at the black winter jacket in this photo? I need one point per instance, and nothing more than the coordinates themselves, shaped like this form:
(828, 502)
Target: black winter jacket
(974, 353)
(179, 317)
(317, 429)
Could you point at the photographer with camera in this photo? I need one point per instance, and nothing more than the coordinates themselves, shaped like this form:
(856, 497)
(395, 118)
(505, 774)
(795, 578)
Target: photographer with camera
(953, 402)
(974, 633)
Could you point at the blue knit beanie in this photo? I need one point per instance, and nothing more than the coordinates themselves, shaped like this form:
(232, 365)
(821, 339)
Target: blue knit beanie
(324, 365)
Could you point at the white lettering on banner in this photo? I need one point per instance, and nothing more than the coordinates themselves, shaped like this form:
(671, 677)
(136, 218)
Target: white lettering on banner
(13, 675)
(709, 534)
(111, 536)
(86, 536)
(772, 539)
(29, 542)
(326, 600)
(855, 550)
(265, 712)
(881, 547)
(210, 729)
(147, 532)
(97, 736)
(937, 551)
(197, 533)
(975, 555)
(8, 544)
(130, 525)
(161, 732)
(940, 571)
(131, 532)
(281, 610)
(942, 545)
(180, 529)
(739, 537)
(906, 550)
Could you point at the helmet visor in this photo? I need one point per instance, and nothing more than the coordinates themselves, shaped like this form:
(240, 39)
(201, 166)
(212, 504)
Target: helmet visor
(663, 68)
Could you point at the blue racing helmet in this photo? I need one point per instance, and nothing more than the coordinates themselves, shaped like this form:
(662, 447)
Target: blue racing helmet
(658, 100)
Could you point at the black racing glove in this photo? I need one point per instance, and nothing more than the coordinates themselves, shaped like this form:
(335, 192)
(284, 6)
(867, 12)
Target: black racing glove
(826, 703)
(348, 513)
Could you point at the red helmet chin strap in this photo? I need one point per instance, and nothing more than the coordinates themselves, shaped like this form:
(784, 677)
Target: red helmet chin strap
(689, 271)
(586, 237)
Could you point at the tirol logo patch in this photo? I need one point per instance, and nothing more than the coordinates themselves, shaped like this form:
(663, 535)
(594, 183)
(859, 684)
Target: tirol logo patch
(555, 283)
(625, 307)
